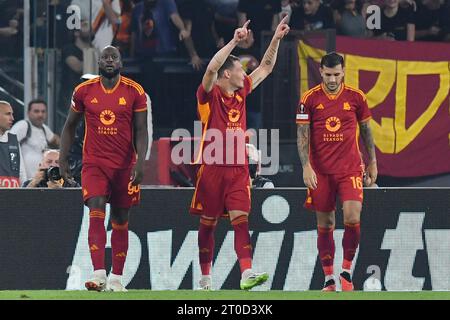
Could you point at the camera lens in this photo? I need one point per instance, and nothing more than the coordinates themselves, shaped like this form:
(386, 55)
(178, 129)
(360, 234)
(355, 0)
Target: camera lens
(53, 174)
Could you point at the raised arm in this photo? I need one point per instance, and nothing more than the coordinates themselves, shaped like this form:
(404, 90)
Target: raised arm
(219, 58)
(270, 56)
(196, 61)
(242, 18)
(179, 23)
(111, 14)
(367, 137)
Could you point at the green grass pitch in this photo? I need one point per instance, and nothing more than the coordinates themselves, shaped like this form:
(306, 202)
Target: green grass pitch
(219, 295)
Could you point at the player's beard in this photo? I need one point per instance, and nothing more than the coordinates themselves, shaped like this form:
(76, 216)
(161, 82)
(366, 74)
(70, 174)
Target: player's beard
(334, 87)
(109, 75)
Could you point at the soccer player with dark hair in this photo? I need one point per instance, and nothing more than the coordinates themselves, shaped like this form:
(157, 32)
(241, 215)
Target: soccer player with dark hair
(223, 182)
(327, 119)
(115, 112)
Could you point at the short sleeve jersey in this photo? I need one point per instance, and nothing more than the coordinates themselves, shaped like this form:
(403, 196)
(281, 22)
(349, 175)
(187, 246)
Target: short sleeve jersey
(108, 113)
(224, 115)
(333, 123)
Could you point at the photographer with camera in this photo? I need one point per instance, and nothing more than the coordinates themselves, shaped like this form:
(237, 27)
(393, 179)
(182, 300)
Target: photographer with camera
(47, 175)
(254, 166)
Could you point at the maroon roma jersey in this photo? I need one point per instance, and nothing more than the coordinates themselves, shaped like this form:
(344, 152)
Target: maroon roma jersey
(108, 139)
(333, 123)
(223, 116)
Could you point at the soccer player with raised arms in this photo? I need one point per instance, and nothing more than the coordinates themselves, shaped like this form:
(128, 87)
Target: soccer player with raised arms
(327, 118)
(223, 182)
(115, 144)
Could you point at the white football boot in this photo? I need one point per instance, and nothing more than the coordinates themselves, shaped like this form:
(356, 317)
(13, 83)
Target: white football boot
(115, 284)
(97, 282)
(205, 283)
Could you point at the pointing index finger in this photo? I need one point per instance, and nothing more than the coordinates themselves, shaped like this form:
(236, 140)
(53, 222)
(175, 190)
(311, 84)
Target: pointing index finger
(246, 24)
(283, 21)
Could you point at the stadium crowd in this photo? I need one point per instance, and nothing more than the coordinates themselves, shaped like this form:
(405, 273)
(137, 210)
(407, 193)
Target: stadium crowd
(145, 29)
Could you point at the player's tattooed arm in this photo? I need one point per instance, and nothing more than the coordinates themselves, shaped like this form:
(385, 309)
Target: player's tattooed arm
(267, 64)
(366, 134)
(303, 138)
(303, 143)
(372, 169)
(270, 56)
(219, 58)
(256, 82)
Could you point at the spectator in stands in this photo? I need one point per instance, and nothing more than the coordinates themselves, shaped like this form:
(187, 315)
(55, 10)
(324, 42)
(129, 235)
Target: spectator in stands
(447, 8)
(432, 21)
(47, 173)
(72, 63)
(349, 18)
(10, 30)
(144, 46)
(225, 17)
(312, 16)
(11, 21)
(153, 35)
(198, 17)
(254, 168)
(286, 9)
(397, 23)
(158, 16)
(143, 34)
(123, 37)
(12, 170)
(412, 4)
(263, 15)
(104, 16)
(34, 135)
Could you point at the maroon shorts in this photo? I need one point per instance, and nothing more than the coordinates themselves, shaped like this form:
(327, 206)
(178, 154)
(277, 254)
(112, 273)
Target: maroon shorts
(347, 186)
(220, 190)
(114, 184)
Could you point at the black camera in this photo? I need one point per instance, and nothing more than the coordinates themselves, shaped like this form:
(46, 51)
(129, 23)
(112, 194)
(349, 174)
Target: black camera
(264, 183)
(52, 174)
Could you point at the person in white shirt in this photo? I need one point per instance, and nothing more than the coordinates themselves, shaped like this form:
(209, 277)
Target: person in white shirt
(12, 171)
(35, 136)
(104, 17)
